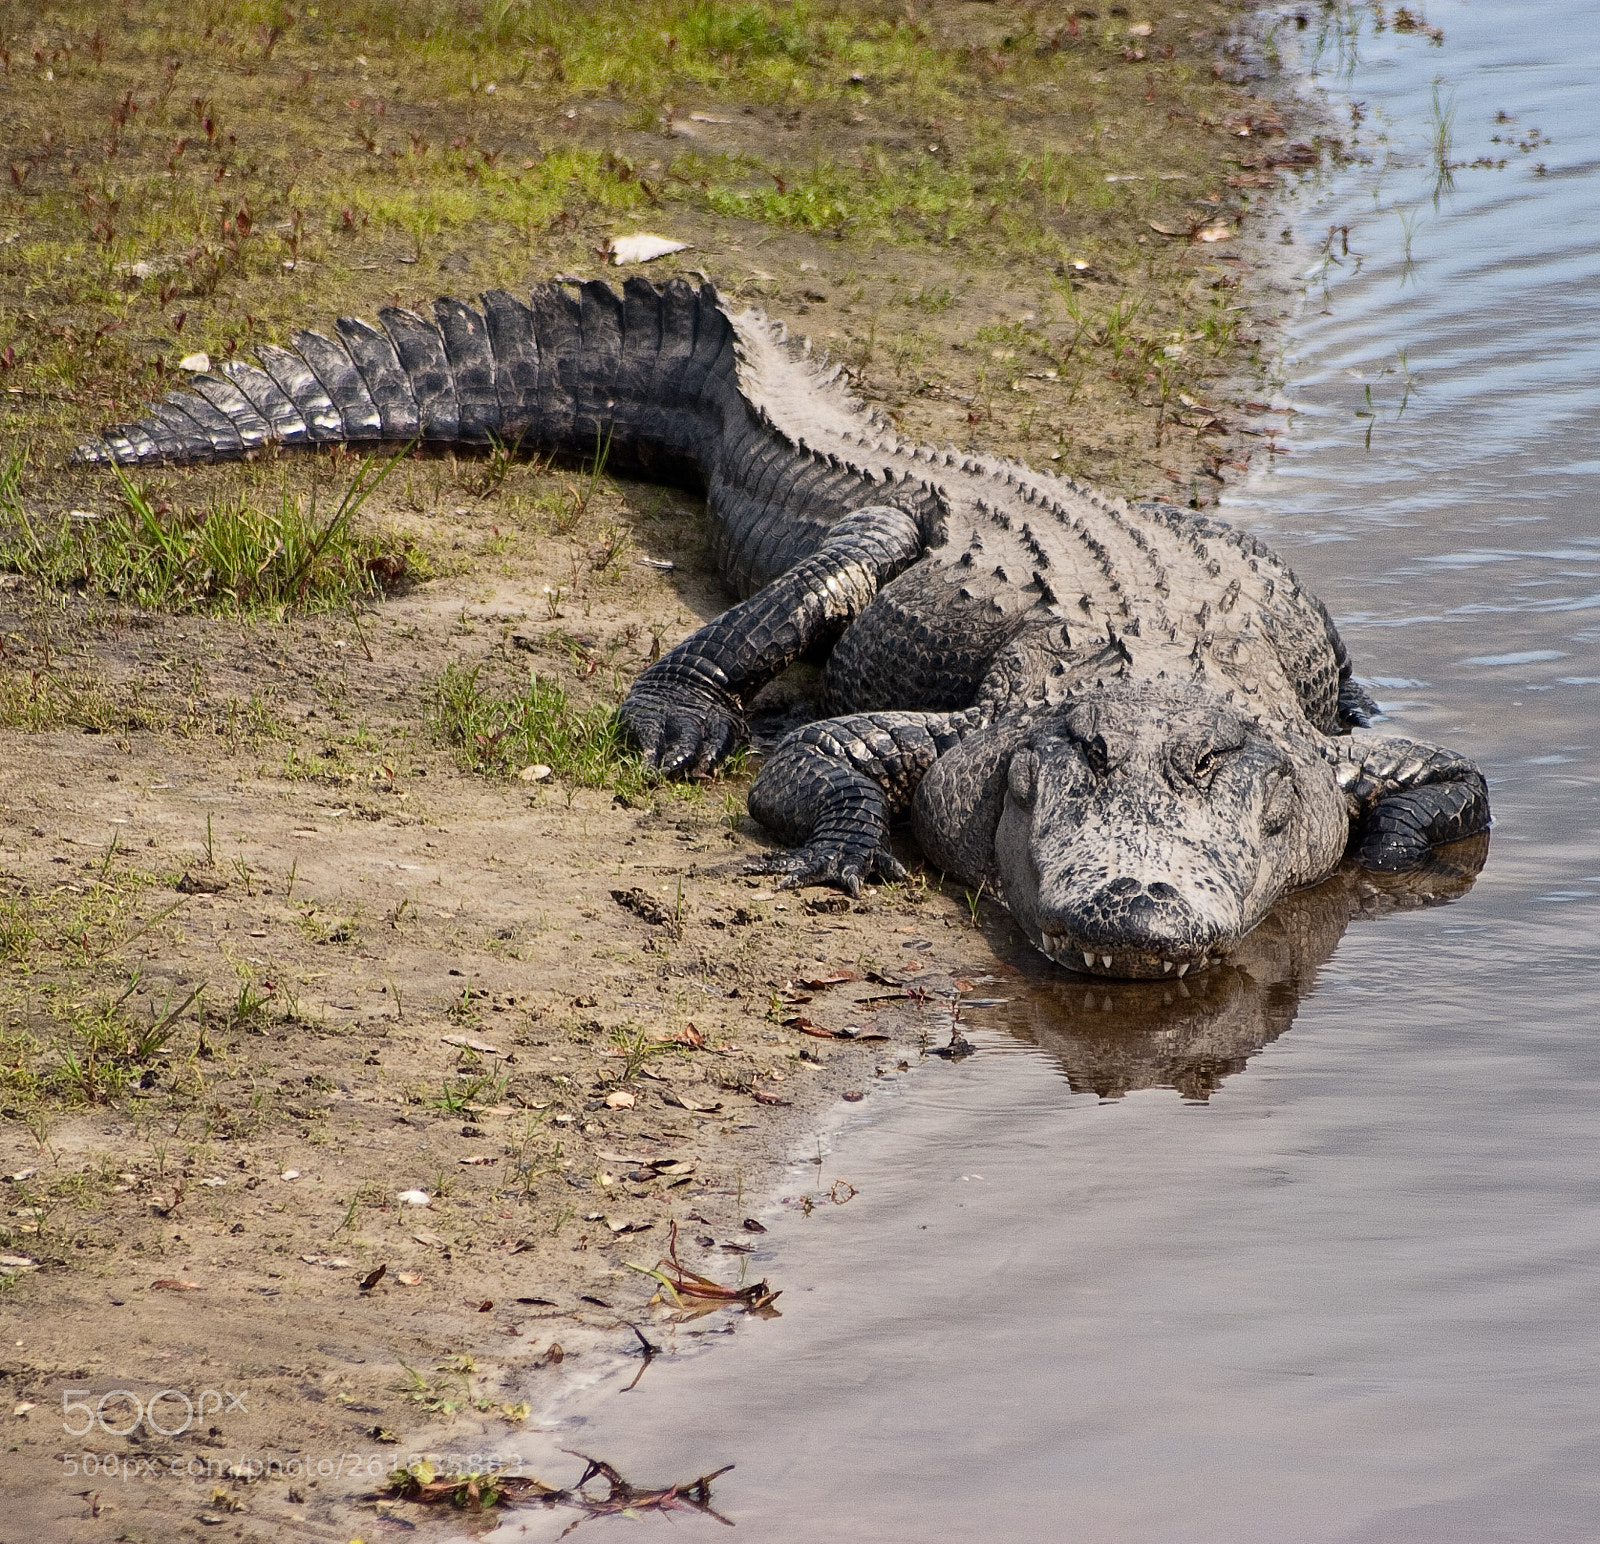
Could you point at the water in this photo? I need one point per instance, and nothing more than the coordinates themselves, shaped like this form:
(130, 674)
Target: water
(1324, 1265)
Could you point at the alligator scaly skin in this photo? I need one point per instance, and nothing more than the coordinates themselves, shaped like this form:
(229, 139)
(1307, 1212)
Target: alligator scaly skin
(973, 609)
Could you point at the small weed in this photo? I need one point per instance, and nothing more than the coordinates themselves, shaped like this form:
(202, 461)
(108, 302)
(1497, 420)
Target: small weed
(498, 733)
(249, 1004)
(974, 898)
(638, 1050)
(1442, 116)
(459, 1099)
(41, 700)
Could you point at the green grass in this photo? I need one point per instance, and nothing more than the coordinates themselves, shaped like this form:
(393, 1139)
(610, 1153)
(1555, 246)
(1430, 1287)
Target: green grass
(201, 174)
(41, 700)
(499, 731)
(70, 1031)
(228, 555)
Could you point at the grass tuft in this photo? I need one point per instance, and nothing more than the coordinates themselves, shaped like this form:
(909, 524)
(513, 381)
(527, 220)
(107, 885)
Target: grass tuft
(226, 556)
(501, 732)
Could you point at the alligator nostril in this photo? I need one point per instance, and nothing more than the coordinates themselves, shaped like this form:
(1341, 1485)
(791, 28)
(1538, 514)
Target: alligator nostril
(1162, 891)
(1123, 886)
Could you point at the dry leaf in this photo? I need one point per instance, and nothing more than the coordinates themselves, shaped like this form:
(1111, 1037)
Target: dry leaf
(173, 1284)
(428, 1239)
(413, 1198)
(481, 1047)
(621, 1101)
(832, 978)
(642, 248)
(479, 1158)
(684, 1102)
(1214, 233)
(372, 1278)
(408, 1278)
(806, 1027)
(536, 773)
(328, 1261)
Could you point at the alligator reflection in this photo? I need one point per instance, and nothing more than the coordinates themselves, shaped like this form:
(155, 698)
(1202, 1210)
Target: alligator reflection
(1112, 1037)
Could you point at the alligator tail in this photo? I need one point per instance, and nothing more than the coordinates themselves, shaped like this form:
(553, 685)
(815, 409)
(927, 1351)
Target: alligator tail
(644, 375)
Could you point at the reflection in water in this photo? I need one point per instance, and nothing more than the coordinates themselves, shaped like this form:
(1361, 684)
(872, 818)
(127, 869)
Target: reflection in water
(1111, 1038)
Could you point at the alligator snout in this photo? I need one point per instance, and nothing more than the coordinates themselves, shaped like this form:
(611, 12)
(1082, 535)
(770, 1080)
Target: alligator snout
(1129, 927)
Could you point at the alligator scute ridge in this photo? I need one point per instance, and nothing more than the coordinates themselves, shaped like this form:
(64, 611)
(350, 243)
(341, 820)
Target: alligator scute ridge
(1126, 721)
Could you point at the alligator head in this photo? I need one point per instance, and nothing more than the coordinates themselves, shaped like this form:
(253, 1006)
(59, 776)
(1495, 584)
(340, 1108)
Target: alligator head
(1141, 829)
(1145, 829)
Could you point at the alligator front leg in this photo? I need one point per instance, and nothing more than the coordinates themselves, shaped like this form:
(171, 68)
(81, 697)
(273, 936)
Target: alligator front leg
(686, 711)
(831, 790)
(1406, 798)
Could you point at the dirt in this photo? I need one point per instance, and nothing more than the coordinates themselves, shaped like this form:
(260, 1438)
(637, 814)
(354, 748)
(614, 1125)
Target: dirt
(419, 979)
(440, 989)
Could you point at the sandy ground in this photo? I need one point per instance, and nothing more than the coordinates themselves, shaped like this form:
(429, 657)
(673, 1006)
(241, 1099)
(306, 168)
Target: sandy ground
(440, 991)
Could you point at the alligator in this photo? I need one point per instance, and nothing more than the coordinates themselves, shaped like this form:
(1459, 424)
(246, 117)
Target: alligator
(1125, 721)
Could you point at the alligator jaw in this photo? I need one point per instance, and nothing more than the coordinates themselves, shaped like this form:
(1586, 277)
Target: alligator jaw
(1121, 964)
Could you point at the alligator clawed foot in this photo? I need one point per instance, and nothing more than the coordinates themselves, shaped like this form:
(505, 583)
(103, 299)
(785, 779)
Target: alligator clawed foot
(844, 865)
(681, 736)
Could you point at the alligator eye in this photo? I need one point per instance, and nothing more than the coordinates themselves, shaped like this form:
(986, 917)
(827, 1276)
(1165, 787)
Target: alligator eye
(1205, 764)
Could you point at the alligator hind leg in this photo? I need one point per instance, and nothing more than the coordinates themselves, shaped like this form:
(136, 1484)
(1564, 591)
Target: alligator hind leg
(686, 711)
(1406, 798)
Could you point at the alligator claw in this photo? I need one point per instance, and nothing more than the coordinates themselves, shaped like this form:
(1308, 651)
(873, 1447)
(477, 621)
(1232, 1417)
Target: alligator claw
(682, 736)
(844, 865)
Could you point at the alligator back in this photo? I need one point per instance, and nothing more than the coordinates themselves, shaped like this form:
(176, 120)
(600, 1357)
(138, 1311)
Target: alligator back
(668, 386)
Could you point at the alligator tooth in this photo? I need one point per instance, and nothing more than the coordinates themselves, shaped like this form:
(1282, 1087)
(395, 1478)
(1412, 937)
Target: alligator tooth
(1105, 959)
(1183, 970)
(1088, 959)
(1166, 967)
